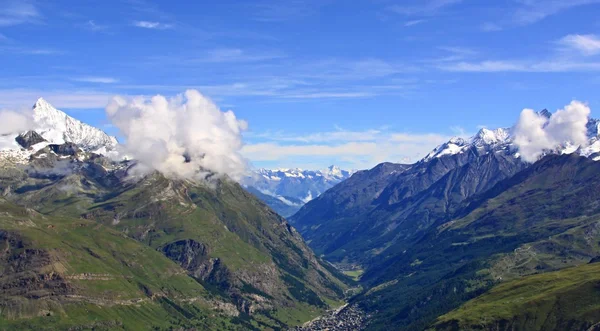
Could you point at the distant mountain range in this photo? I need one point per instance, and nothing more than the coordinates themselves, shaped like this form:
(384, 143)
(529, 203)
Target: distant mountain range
(287, 190)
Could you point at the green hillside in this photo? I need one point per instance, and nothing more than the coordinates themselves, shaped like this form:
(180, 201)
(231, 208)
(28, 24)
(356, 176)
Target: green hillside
(227, 255)
(59, 273)
(568, 299)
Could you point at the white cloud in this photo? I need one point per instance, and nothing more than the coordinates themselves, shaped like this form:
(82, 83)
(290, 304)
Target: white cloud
(14, 12)
(16, 98)
(339, 135)
(12, 122)
(490, 27)
(93, 79)
(414, 22)
(535, 133)
(557, 65)
(92, 25)
(532, 11)
(484, 66)
(223, 55)
(329, 95)
(588, 44)
(186, 136)
(279, 11)
(35, 51)
(424, 7)
(152, 25)
(354, 149)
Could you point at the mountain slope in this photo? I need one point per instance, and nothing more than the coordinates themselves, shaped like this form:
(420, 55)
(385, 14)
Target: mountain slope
(355, 221)
(568, 299)
(215, 233)
(358, 219)
(69, 273)
(544, 218)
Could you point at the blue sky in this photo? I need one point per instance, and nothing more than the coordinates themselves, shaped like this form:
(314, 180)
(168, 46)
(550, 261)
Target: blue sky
(326, 81)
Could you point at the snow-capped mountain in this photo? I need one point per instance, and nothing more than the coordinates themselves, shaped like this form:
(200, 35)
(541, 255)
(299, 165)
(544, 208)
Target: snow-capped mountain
(484, 139)
(52, 126)
(286, 190)
(502, 139)
(57, 128)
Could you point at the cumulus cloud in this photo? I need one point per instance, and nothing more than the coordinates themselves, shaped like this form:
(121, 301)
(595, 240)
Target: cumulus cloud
(186, 136)
(14, 122)
(535, 133)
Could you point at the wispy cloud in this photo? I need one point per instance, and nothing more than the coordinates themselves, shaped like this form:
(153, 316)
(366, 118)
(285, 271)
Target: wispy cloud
(574, 54)
(588, 44)
(329, 95)
(532, 11)
(18, 98)
(30, 51)
(42, 51)
(152, 25)
(236, 55)
(423, 7)
(99, 80)
(93, 26)
(274, 74)
(356, 69)
(358, 149)
(278, 11)
(414, 22)
(490, 27)
(521, 66)
(14, 12)
(452, 54)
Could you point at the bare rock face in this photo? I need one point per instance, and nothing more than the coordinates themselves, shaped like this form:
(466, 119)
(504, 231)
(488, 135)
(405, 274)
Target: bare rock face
(188, 253)
(29, 138)
(66, 149)
(194, 257)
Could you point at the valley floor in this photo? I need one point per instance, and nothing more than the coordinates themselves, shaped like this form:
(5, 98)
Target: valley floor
(346, 317)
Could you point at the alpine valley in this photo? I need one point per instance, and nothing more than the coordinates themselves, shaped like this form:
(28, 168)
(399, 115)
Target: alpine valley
(470, 237)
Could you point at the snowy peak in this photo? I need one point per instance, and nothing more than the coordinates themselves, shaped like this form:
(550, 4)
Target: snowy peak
(331, 173)
(491, 137)
(57, 127)
(335, 171)
(485, 139)
(502, 140)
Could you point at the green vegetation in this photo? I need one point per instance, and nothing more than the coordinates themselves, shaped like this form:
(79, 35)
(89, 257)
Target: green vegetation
(354, 274)
(192, 255)
(568, 299)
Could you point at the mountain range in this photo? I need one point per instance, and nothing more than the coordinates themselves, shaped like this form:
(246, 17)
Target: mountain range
(426, 237)
(470, 237)
(287, 190)
(88, 243)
